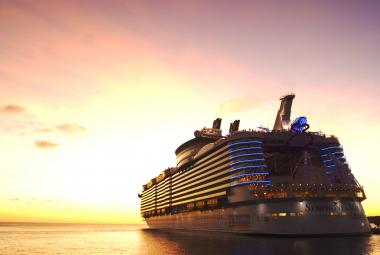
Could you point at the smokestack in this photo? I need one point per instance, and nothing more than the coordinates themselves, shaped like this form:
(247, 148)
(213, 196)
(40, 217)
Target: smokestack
(283, 115)
(234, 126)
(216, 124)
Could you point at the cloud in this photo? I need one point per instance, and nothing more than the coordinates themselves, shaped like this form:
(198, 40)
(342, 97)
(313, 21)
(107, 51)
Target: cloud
(238, 104)
(34, 201)
(44, 144)
(12, 108)
(70, 128)
(44, 130)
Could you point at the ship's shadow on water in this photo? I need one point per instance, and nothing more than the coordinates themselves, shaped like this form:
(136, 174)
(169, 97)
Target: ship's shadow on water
(190, 242)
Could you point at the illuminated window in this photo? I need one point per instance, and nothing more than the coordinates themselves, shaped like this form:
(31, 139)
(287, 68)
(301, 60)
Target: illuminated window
(253, 177)
(359, 194)
(200, 204)
(212, 202)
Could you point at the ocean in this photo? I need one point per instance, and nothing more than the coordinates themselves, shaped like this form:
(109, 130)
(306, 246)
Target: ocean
(31, 238)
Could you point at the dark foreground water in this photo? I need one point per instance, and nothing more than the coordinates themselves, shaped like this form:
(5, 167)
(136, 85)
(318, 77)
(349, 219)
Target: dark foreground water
(16, 239)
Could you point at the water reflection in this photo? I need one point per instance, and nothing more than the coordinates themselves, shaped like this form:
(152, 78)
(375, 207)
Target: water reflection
(46, 239)
(220, 243)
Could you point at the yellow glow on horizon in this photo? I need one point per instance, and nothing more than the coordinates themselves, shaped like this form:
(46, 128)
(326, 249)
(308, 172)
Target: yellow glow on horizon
(42, 211)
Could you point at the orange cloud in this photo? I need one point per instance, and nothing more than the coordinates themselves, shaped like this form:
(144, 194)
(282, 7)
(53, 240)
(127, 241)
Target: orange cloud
(70, 128)
(44, 144)
(238, 104)
(12, 108)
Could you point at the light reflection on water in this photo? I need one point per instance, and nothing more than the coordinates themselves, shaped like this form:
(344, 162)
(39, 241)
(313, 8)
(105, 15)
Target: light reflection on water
(17, 239)
(216, 243)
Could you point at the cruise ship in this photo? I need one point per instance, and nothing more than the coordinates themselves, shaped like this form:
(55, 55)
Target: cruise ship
(287, 181)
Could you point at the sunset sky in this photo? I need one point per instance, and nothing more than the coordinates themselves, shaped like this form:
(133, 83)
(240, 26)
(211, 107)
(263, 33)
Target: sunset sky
(95, 96)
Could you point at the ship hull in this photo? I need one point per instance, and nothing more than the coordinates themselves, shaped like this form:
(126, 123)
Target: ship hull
(285, 218)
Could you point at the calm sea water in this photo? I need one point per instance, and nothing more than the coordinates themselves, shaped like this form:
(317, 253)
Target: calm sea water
(17, 239)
